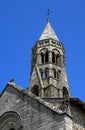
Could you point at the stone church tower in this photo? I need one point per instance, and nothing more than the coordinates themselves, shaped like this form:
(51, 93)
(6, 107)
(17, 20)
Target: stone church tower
(47, 104)
(48, 72)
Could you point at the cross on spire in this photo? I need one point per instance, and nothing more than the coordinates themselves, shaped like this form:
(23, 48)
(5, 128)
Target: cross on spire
(48, 15)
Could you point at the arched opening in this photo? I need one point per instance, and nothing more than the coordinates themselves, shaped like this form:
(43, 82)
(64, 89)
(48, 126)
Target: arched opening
(10, 121)
(42, 58)
(35, 90)
(53, 57)
(46, 57)
(54, 73)
(65, 92)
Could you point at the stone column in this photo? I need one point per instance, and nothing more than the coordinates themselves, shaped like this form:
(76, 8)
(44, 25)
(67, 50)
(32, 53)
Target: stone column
(50, 56)
(38, 58)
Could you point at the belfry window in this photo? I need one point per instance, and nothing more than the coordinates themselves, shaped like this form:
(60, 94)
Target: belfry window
(46, 57)
(42, 57)
(53, 57)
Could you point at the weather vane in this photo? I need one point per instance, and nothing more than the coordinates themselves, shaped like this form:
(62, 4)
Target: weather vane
(48, 15)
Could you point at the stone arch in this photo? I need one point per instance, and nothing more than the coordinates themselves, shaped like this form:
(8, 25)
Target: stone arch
(35, 90)
(65, 92)
(10, 121)
(56, 51)
(56, 56)
(43, 50)
(44, 55)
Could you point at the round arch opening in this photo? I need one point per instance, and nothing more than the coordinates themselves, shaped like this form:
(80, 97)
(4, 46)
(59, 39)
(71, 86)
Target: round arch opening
(65, 92)
(35, 90)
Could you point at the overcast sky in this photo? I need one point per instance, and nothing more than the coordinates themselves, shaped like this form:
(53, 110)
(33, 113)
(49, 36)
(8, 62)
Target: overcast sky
(21, 24)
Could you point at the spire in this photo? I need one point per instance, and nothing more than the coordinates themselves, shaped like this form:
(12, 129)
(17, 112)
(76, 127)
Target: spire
(48, 32)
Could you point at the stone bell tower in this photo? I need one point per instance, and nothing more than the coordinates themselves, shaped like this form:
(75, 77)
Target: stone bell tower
(48, 73)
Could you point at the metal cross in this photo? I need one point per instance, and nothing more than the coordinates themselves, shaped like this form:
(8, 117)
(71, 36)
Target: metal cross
(48, 15)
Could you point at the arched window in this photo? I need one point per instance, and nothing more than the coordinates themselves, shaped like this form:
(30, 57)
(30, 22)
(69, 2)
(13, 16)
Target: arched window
(35, 90)
(10, 120)
(42, 58)
(53, 57)
(46, 72)
(54, 73)
(46, 57)
(65, 92)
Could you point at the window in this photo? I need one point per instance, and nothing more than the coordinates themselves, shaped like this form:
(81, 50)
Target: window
(42, 58)
(65, 92)
(35, 90)
(53, 57)
(10, 120)
(46, 57)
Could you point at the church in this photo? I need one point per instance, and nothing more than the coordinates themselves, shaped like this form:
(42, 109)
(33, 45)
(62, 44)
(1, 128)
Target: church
(47, 104)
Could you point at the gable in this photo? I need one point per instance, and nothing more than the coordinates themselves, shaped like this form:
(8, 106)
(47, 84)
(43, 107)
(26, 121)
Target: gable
(35, 113)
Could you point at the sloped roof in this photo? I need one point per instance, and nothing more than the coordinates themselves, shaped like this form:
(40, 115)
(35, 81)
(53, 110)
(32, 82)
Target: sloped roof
(48, 32)
(75, 101)
(78, 103)
(29, 94)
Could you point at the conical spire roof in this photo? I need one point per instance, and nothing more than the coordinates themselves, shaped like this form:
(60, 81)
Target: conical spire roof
(48, 32)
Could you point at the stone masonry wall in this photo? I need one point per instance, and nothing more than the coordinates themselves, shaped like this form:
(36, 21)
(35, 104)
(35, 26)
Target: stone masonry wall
(34, 115)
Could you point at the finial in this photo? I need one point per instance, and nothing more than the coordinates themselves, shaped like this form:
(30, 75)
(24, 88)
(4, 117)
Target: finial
(12, 80)
(48, 15)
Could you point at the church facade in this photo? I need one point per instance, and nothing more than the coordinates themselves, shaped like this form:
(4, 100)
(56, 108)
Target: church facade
(47, 104)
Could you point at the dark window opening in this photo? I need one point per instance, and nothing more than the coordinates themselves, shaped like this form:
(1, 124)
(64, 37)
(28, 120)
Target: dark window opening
(53, 57)
(46, 57)
(35, 90)
(65, 92)
(42, 57)
(11, 129)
